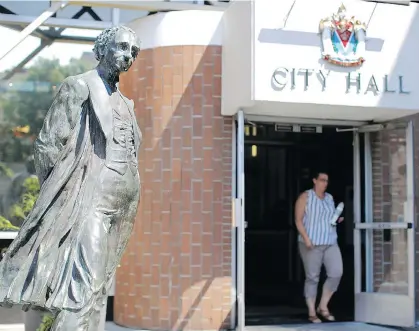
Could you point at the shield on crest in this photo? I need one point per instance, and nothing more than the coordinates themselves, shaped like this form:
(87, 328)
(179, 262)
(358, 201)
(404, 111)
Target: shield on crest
(344, 36)
(343, 39)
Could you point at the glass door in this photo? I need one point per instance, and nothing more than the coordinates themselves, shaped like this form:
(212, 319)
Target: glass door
(384, 225)
(240, 221)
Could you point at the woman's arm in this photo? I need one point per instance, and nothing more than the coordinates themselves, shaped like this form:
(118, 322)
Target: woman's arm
(300, 206)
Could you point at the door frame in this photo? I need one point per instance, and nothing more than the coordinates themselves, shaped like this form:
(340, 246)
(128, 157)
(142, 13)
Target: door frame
(238, 215)
(371, 307)
(239, 219)
(239, 200)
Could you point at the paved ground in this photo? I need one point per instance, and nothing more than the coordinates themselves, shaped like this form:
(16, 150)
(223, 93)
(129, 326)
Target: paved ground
(11, 316)
(21, 327)
(347, 326)
(113, 327)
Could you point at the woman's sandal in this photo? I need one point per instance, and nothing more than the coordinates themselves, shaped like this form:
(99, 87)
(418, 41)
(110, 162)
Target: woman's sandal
(314, 319)
(324, 313)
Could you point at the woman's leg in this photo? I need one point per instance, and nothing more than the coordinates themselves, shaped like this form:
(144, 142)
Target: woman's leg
(332, 261)
(312, 261)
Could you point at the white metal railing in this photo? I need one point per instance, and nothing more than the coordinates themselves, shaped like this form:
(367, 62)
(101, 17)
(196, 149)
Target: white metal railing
(8, 234)
(146, 6)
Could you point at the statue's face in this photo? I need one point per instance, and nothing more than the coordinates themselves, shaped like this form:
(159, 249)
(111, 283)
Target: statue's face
(121, 52)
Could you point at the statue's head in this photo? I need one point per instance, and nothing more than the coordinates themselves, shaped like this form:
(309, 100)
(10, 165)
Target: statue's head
(117, 48)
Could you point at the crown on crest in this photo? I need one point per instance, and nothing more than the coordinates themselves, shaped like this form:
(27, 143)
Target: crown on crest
(341, 9)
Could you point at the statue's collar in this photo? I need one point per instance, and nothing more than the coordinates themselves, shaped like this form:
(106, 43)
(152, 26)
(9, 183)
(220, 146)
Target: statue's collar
(99, 98)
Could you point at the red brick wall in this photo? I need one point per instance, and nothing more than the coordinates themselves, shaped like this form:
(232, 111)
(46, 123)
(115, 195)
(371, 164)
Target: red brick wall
(176, 271)
(389, 192)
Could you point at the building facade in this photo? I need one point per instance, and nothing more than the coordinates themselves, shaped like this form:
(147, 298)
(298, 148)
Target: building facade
(201, 78)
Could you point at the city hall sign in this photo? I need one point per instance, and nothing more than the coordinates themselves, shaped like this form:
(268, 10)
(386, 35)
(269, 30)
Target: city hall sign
(343, 45)
(293, 78)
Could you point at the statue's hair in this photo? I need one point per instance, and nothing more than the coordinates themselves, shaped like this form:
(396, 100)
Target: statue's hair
(105, 37)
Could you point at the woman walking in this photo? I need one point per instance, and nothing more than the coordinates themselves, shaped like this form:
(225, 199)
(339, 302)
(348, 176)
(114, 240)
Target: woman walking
(318, 246)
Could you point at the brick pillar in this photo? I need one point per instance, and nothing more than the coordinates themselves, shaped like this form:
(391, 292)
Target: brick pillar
(389, 179)
(176, 271)
(389, 194)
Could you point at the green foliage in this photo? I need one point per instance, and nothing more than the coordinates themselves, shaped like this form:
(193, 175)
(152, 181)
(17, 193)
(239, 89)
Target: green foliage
(5, 225)
(10, 147)
(27, 200)
(5, 170)
(46, 323)
(20, 210)
(29, 104)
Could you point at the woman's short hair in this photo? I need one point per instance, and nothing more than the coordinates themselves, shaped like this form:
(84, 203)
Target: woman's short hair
(317, 173)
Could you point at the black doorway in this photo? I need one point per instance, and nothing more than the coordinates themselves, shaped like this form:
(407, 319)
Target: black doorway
(278, 167)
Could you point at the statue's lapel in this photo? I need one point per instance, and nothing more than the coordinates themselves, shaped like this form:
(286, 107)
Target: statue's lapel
(137, 132)
(130, 105)
(100, 101)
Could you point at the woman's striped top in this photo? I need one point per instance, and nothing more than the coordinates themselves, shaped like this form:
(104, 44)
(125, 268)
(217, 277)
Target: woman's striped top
(317, 216)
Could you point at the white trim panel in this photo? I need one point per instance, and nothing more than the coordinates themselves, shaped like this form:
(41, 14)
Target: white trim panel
(393, 309)
(12, 327)
(306, 121)
(181, 28)
(8, 234)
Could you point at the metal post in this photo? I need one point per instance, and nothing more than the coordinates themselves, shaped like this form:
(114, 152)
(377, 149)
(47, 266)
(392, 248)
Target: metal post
(22, 63)
(357, 215)
(35, 24)
(115, 16)
(368, 212)
(241, 222)
(233, 312)
(410, 204)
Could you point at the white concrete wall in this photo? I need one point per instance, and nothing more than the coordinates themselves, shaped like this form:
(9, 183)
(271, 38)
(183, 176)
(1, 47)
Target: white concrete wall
(237, 66)
(179, 28)
(286, 35)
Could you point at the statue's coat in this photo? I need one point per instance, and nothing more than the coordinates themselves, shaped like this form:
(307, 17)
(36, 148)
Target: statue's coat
(46, 266)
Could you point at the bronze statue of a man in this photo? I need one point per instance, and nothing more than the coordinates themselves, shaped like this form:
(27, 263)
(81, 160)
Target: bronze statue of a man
(67, 250)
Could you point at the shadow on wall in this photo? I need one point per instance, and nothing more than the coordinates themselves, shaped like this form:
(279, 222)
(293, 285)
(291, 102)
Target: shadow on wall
(176, 272)
(404, 58)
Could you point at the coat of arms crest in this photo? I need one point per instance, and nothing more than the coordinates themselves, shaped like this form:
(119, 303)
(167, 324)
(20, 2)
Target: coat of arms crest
(343, 39)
